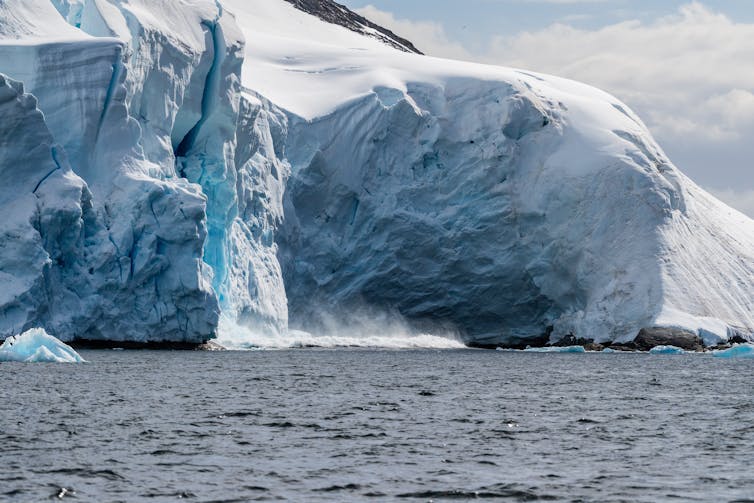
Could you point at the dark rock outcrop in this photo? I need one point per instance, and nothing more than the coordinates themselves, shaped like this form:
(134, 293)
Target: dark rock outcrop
(660, 336)
(79, 344)
(739, 336)
(572, 340)
(334, 13)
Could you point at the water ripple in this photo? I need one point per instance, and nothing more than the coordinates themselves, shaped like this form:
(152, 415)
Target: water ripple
(323, 425)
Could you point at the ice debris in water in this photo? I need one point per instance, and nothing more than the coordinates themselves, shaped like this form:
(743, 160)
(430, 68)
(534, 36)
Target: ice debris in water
(737, 351)
(236, 337)
(666, 350)
(557, 349)
(37, 346)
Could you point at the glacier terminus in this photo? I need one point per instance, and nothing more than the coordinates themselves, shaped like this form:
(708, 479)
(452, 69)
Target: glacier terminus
(173, 168)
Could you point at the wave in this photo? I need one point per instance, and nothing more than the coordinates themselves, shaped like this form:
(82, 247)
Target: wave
(235, 337)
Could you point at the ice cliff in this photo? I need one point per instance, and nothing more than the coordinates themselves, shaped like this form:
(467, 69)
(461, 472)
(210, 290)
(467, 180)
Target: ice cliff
(140, 117)
(166, 164)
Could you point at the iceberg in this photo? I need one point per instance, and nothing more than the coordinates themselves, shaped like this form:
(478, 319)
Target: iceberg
(737, 351)
(557, 349)
(666, 350)
(37, 346)
(166, 165)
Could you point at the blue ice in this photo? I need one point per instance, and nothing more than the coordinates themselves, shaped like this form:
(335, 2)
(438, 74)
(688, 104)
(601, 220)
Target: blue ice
(666, 350)
(37, 346)
(738, 351)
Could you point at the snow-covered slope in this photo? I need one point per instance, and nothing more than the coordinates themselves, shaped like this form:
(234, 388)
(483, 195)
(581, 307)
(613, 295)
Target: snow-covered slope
(506, 203)
(248, 158)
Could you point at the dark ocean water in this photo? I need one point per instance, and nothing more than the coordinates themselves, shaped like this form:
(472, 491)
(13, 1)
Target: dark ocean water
(354, 425)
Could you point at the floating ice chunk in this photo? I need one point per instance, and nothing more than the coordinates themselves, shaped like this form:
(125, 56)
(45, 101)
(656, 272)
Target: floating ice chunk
(557, 349)
(737, 351)
(609, 350)
(666, 350)
(37, 346)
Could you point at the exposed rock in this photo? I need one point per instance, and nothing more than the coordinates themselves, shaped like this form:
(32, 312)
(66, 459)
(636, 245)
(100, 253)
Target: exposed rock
(593, 346)
(572, 340)
(739, 336)
(660, 336)
(334, 13)
(627, 347)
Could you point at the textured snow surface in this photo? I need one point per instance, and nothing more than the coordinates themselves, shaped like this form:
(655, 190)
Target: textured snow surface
(505, 203)
(166, 162)
(34, 21)
(37, 346)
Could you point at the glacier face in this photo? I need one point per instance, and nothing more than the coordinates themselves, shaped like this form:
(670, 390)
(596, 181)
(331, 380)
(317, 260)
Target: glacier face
(506, 204)
(178, 160)
(182, 213)
(129, 267)
(467, 221)
(496, 226)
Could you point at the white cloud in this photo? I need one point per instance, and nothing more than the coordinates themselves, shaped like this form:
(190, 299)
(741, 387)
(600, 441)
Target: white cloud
(689, 76)
(429, 37)
(686, 73)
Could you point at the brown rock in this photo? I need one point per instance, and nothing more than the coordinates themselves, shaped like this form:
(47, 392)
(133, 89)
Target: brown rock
(593, 346)
(628, 347)
(662, 336)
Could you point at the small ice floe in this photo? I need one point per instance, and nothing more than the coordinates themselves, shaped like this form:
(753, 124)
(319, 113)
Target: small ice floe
(666, 350)
(609, 350)
(737, 351)
(557, 349)
(37, 346)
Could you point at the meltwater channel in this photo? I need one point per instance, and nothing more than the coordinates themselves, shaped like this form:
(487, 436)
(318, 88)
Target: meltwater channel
(384, 425)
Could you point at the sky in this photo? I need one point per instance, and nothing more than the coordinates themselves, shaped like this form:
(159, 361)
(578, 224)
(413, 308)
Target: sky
(686, 67)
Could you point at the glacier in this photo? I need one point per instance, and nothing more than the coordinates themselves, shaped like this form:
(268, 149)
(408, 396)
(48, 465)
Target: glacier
(115, 247)
(181, 170)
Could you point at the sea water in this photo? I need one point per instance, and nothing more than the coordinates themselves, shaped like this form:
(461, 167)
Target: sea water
(354, 425)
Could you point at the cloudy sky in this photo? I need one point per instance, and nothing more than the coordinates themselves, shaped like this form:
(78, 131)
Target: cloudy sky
(686, 67)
